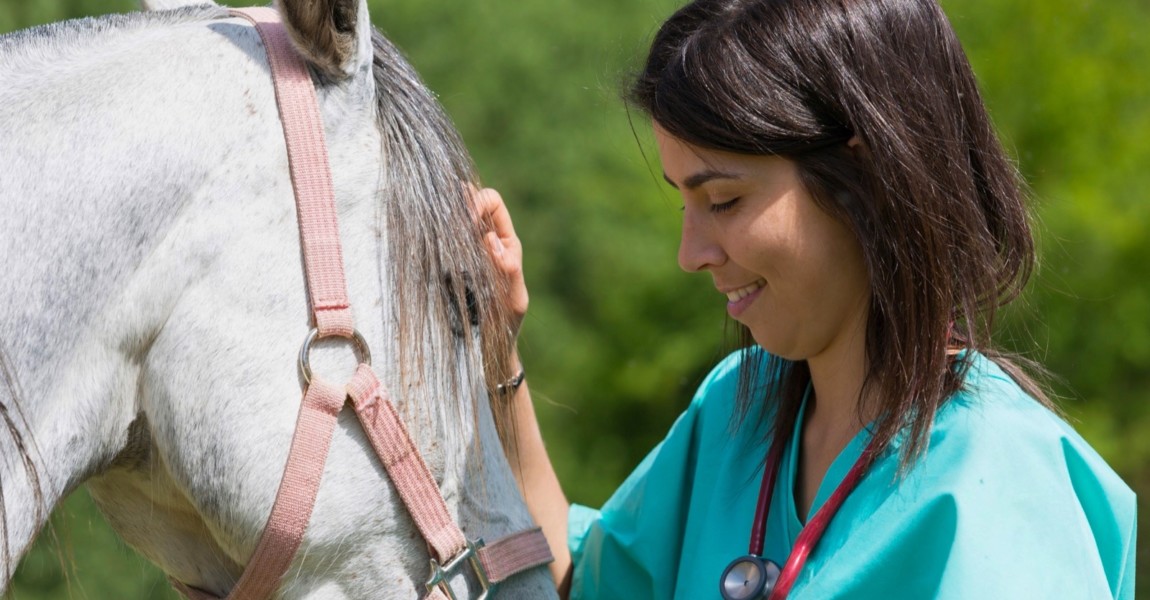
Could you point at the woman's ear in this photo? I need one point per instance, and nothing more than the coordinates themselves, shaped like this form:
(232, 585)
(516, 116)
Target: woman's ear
(858, 147)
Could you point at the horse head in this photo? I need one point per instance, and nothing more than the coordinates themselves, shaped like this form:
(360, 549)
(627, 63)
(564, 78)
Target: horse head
(154, 303)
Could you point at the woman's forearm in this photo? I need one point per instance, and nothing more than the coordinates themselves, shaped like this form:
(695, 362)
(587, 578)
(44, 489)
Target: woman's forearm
(539, 484)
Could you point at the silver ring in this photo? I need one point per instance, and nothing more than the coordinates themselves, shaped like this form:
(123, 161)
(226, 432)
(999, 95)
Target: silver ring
(363, 353)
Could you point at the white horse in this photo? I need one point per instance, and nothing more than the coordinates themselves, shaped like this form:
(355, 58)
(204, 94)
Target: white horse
(152, 303)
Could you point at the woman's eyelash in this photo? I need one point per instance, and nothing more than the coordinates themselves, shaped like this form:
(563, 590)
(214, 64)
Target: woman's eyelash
(720, 207)
(724, 206)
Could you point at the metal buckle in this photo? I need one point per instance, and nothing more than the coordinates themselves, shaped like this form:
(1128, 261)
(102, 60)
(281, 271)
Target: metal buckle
(363, 352)
(441, 573)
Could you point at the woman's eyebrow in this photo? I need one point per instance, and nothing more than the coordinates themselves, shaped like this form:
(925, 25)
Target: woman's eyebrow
(698, 179)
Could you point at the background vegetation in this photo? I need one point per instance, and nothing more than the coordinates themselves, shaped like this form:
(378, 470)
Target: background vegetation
(617, 338)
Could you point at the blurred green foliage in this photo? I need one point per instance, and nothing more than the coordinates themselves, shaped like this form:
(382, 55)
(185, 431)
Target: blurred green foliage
(617, 337)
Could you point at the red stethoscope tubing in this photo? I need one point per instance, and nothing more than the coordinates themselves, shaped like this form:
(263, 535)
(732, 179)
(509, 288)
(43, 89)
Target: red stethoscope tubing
(812, 532)
(766, 492)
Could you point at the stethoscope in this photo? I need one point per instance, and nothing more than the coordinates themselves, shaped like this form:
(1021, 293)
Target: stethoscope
(755, 577)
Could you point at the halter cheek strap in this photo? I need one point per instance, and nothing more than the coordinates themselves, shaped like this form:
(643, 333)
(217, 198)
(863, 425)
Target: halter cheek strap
(322, 402)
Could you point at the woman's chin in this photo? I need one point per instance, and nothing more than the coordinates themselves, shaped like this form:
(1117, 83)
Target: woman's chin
(775, 346)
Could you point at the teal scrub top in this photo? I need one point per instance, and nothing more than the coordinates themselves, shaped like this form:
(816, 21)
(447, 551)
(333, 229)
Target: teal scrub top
(1007, 502)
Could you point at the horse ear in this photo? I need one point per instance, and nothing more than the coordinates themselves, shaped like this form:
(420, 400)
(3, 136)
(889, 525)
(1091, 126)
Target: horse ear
(333, 35)
(152, 5)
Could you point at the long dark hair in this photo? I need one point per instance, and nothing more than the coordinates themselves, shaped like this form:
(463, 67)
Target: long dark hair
(933, 199)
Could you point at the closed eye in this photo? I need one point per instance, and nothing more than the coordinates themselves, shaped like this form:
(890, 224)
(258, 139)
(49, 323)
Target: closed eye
(723, 207)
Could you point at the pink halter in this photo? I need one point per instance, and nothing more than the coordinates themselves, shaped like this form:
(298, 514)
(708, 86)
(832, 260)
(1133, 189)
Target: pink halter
(322, 401)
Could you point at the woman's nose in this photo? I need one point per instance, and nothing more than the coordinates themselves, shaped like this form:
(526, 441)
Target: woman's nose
(698, 248)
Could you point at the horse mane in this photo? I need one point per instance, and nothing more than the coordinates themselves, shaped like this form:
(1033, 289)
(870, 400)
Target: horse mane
(444, 287)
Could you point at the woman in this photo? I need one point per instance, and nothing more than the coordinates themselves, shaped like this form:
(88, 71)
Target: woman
(843, 186)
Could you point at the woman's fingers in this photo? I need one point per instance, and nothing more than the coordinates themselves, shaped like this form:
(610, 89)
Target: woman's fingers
(492, 208)
(502, 243)
(502, 227)
(499, 230)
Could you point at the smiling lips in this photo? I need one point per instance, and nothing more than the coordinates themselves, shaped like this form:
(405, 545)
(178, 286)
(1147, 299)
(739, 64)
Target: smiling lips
(738, 300)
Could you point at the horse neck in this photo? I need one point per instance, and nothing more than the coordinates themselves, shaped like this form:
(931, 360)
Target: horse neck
(82, 213)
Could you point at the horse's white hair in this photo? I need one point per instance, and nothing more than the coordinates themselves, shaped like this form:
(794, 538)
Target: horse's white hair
(154, 5)
(153, 302)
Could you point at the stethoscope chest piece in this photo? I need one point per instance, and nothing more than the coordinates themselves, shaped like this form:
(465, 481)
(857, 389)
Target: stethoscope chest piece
(749, 578)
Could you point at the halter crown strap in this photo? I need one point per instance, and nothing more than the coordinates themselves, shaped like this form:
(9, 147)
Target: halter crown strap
(322, 402)
(310, 175)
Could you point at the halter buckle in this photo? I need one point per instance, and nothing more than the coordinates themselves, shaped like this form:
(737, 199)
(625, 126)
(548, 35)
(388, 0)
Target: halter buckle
(441, 573)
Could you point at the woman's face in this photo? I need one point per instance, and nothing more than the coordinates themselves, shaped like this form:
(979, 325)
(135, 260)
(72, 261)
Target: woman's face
(791, 273)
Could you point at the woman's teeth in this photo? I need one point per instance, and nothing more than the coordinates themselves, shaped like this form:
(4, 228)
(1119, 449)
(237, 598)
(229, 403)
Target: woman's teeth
(741, 293)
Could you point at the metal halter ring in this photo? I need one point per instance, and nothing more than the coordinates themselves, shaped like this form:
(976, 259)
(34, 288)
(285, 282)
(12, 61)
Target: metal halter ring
(361, 350)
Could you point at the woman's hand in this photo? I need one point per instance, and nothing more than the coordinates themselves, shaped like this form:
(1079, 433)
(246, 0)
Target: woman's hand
(504, 246)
